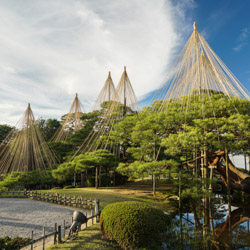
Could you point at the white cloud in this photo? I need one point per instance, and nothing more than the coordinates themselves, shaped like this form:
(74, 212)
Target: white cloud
(242, 39)
(49, 50)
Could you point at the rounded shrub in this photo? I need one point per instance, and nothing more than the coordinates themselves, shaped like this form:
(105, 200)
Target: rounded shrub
(133, 224)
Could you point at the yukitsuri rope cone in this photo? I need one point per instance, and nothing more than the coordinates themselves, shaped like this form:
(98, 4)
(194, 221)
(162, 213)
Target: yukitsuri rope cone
(72, 121)
(199, 70)
(123, 102)
(196, 75)
(25, 149)
(106, 94)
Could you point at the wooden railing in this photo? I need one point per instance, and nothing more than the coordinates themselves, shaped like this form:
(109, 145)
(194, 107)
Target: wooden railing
(61, 199)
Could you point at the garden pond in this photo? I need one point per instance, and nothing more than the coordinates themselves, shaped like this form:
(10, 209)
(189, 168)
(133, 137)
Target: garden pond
(214, 224)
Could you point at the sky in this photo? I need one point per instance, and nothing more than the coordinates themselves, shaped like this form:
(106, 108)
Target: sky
(50, 50)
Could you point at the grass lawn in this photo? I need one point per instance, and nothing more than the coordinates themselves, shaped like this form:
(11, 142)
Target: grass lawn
(90, 238)
(136, 191)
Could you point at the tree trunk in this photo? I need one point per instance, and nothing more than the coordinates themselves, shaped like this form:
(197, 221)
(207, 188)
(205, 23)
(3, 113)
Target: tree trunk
(245, 160)
(237, 180)
(180, 210)
(205, 166)
(100, 176)
(82, 179)
(179, 187)
(86, 177)
(211, 180)
(74, 180)
(154, 185)
(114, 178)
(96, 177)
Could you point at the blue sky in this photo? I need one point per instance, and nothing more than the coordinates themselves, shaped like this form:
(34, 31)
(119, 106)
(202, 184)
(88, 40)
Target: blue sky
(49, 50)
(225, 24)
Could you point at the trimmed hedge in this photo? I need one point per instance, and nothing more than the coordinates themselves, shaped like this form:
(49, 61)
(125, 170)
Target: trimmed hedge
(133, 224)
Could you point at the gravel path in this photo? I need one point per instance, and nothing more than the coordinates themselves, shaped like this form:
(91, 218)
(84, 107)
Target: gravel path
(18, 217)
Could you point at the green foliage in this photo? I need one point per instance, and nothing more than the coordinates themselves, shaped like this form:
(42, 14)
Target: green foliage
(133, 224)
(153, 141)
(139, 169)
(100, 157)
(4, 131)
(80, 163)
(108, 179)
(79, 136)
(48, 127)
(121, 132)
(147, 135)
(91, 181)
(218, 123)
(62, 149)
(64, 172)
(27, 180)
(7, 243)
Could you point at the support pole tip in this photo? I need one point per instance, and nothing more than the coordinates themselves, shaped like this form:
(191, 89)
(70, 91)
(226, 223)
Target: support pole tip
(195, 26)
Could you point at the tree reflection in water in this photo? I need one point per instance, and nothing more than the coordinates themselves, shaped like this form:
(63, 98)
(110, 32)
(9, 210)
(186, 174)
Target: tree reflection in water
(209, 226)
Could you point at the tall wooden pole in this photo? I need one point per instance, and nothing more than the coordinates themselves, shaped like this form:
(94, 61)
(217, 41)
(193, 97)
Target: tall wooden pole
(180, 212)
(74, 179)
(180, 187)
(205, 163)
(228, 191)
(109, 88)
(154, 185)
(96, 177)
(100, 176)
(28, 128)
(124, 92)
(245, 159)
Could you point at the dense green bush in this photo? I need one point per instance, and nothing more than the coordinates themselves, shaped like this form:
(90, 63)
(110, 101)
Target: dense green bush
(91, 181)
(133, 224)
(7, 243)
(108, 180)
(29, 180)
(120, 179)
